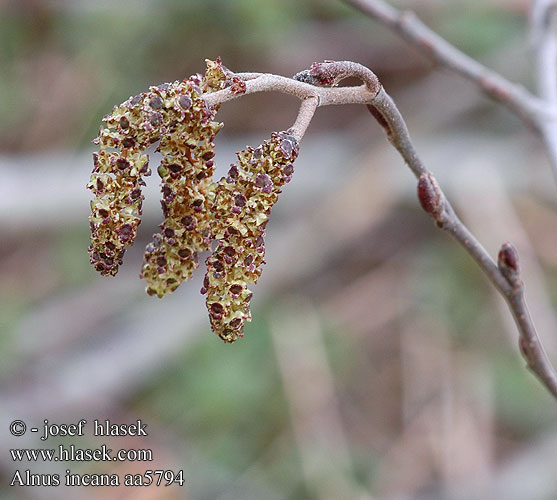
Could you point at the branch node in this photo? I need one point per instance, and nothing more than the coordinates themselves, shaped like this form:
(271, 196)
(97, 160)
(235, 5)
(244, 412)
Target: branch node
(331, 73)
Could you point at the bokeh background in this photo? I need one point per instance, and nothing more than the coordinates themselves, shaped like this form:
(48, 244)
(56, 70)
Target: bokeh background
(380, 364)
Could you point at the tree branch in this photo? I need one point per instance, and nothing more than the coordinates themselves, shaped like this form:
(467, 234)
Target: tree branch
(504, 274)
(263, 82)
(307, 110)
(408, 26)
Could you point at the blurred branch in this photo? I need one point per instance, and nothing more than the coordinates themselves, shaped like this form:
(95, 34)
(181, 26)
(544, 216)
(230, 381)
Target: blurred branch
(408, 26)
(543, 23)
(309, 387)
(537, 112)
(319, 82)
(545, 48)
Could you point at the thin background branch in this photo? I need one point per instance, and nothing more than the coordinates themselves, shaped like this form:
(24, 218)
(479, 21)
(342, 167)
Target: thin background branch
(407, 25)
(545, 48)
(538, 112)
(543, 24)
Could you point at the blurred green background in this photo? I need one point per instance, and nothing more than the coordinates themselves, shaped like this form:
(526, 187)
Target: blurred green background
(380, 364)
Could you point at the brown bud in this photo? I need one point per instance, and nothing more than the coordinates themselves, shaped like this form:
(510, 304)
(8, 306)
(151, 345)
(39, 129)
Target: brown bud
(507, 262)
(429, 194)
(322, 74)
(508, 257)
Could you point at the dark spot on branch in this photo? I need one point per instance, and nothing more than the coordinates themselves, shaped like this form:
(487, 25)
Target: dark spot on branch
(380, 118)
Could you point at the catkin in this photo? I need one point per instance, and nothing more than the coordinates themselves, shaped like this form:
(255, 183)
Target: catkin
(243, 201)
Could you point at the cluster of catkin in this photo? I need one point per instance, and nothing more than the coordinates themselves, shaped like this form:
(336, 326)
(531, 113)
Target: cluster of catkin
(229, 215)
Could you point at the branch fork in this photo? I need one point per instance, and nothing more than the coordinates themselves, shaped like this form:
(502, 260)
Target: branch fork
(318, 86)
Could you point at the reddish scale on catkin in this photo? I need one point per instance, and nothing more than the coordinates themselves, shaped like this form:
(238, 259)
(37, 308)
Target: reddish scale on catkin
(243, 202)
(186, 172)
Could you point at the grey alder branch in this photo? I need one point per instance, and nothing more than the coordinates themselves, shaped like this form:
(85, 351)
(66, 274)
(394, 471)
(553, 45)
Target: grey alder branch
(264, 82)
(504, 275)
(307, 110)
(538, 112)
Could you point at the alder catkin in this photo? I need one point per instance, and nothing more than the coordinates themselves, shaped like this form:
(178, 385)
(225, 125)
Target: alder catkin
(186, 172)
(243, 202)
(116, 181)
